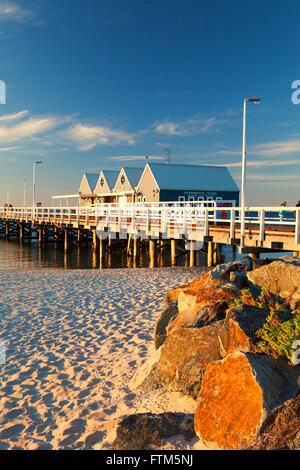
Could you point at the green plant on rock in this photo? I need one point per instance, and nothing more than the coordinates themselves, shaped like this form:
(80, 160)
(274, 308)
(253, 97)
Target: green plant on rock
(277, 337)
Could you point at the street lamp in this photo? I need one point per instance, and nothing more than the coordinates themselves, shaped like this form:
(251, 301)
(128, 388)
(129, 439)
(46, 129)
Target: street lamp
(243, 186)
(33, 184)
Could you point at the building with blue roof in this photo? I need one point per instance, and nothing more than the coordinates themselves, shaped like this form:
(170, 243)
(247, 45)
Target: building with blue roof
(177, 182)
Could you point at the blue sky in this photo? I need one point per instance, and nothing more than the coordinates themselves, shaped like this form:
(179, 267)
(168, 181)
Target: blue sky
(100, 83)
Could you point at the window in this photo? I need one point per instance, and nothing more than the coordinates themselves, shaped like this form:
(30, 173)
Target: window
(101, 182)
(218, 199)
(144, 199)
(122, 180)
(191, 198)
(181, 198)
(200, 198)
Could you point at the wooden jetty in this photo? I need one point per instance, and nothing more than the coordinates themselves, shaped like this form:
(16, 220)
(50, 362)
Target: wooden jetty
(194, 226)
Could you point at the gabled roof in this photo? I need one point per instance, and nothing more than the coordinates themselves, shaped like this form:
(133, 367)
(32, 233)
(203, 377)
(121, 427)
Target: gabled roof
(192, 177)
(88, 183)
(133, 175)
(92, 179)
(111, 177)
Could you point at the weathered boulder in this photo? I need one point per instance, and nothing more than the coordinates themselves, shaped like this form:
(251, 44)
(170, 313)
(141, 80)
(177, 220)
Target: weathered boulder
(203, 301)
(147, 430)
(238, 332)
(146, 377)
(172, 295)
(284, 271)
(223, 271)
(166, 316)
(185, 355)
(238, 396)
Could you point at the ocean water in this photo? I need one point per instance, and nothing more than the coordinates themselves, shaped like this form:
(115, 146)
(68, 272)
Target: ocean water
(16, 255)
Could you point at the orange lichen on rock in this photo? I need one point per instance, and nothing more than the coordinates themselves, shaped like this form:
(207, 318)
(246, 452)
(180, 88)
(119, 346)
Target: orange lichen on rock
(230, 404)
(184, 356)
(205, 300)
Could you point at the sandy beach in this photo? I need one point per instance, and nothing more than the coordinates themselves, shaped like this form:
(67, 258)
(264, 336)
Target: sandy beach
(74, 339)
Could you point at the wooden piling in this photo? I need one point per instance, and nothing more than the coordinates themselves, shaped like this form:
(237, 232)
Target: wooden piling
(40, 235)
(95, 240)
(173, 252)
(210, 250)
(135, 248)
(66, 240)
(192, 254)
(151, 253)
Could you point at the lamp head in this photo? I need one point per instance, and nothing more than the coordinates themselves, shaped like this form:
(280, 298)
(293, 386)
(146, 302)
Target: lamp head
(254, 99)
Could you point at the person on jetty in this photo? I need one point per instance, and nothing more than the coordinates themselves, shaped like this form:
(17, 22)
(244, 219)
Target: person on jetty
(282, 213)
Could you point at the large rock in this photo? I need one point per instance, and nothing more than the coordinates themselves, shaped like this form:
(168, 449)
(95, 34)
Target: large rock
(285, 271)
(223, 271)
(238, 396)
(172, 295)
(146, 377)
(168, 314)
(185, 355)
(203, 301)
(238, 332)
(146, 430)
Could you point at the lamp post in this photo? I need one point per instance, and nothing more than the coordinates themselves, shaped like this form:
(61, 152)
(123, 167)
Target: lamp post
(243, 185)
(33, 184)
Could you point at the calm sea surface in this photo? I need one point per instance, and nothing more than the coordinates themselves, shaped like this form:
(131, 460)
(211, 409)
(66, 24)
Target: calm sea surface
(14, 254)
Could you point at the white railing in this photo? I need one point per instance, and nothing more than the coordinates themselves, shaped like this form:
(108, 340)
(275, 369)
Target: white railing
(183, 218)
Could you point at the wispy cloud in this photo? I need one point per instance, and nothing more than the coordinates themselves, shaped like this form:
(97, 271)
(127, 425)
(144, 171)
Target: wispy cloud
(86, 137)
(261, 163)
(11, 11)
(28, 128)
(188, 127)
(10, 117)
(136, 157)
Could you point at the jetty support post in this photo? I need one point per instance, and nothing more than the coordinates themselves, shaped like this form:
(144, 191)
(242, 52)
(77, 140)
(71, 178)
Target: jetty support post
(66, 240)
(21, 232)
(192, 254)
(173, 252)
(151, 253)
(95, 240)
(210, 250)
(40, 235)
(7, 229)
(135, 247)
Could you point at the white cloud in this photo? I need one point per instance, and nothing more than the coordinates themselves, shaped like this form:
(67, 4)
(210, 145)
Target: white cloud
(11, 11)
(28, 128)
(10, 117)
(191, 126)
(277, 148)
(87, 137)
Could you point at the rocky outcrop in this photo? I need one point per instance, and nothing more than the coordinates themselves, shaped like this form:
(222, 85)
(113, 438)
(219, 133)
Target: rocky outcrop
(146, 431)
(238, 395)
(185, 355)
(172, 295)
(166, 316)
(208, 350)
(282, 275)
(205, 300)
(238, 332)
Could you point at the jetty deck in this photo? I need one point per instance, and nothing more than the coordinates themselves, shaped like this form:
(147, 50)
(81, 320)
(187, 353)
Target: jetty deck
(258, 229)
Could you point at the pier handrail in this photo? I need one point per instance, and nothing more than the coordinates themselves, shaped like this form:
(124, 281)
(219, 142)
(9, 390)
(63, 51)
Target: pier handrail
(184, 216)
